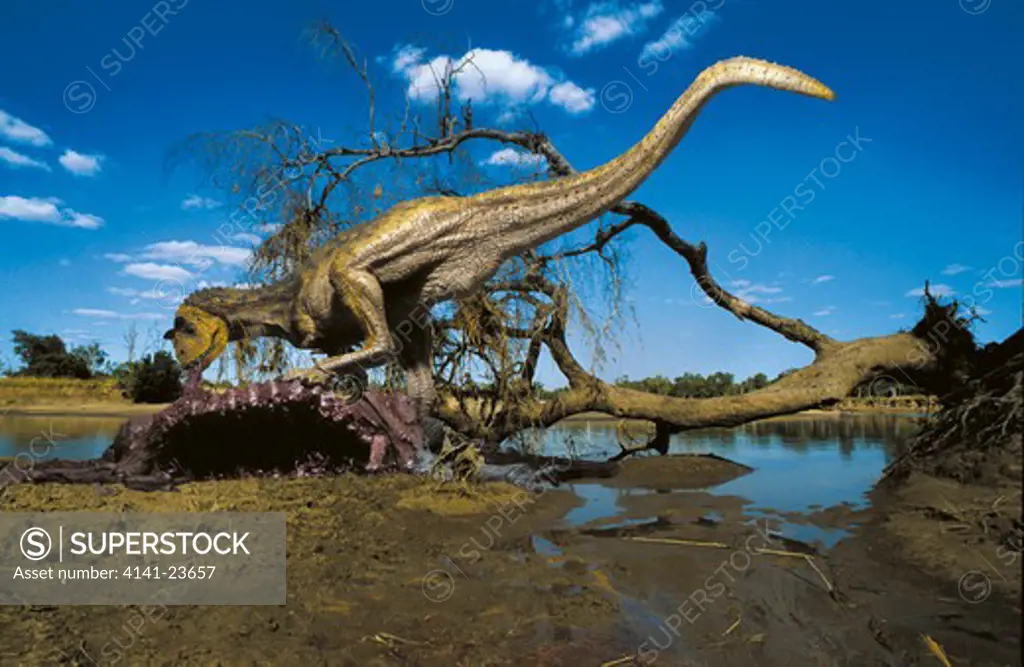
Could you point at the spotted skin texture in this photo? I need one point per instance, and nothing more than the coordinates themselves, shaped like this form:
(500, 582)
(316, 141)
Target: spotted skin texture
(364, 284)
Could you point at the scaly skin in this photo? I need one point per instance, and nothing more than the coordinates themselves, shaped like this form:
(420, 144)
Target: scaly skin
(312, 417)
(370, 282)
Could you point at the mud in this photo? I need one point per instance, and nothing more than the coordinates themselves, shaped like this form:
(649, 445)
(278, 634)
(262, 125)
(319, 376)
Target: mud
(393, 571)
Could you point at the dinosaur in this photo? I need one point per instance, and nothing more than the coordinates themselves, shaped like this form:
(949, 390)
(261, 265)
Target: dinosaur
(379, 279)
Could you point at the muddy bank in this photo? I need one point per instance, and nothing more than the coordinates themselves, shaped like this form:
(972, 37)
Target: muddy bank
(381, 571)
(391, 571)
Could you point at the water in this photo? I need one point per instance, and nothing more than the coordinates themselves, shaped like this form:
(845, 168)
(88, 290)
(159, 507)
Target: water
(800, 464)
(43, 438)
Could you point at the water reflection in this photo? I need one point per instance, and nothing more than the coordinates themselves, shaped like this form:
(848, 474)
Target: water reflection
(798, 436)
(800, 464)
(44, 438)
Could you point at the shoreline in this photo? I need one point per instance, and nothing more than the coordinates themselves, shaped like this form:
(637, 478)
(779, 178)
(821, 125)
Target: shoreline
(111, 410)
(804, 414)
(99, 410)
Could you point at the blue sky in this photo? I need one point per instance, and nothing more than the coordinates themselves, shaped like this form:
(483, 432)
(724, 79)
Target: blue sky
(913, 173)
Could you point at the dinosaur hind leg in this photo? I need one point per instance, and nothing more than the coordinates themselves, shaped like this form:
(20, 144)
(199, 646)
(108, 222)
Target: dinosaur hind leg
(417, 357)
(362, 294)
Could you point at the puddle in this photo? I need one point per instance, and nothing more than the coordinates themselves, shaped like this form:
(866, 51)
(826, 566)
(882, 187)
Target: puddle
(545, 547)
(800, 466)
(599, 502)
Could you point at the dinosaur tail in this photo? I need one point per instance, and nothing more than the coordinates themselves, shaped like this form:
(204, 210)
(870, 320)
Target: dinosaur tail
(564, 204)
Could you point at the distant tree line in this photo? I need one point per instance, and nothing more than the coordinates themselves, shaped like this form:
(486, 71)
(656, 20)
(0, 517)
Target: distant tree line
(154, 378)
(695, 385)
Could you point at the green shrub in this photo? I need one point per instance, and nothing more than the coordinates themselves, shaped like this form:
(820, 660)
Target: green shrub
(152, 379)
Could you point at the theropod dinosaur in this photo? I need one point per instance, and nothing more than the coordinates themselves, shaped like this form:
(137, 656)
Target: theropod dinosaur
(369, 280)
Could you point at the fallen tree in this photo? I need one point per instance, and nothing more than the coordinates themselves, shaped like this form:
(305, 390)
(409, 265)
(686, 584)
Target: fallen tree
(528, 307)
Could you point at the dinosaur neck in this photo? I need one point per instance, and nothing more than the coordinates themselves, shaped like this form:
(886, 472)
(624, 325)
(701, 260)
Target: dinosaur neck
(250, 313)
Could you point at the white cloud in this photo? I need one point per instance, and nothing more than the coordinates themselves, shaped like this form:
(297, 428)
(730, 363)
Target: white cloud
(822, 279)
(898, 316)
(16, 159)
(197, 254)
(488, 76)
(1012, 282)
(571, 97)
(759, 288)
(678, 35)
(34, 209)
(980, 310)
(195, 201)
(935, 290)
(152, 294)
(18, 130)
(151, 271)
(80, 164)
(824, 312)
(606, 22)
(954, 269)
(513, 158)
(83, 220)
(112, 315)
(406, 57)
(750, 292)
(118, 257)
(245, 237)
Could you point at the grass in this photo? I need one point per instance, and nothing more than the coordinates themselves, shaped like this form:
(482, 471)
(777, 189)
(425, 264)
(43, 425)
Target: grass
(35, 391)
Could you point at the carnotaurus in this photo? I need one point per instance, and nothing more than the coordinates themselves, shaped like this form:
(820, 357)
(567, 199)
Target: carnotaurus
(370, 278)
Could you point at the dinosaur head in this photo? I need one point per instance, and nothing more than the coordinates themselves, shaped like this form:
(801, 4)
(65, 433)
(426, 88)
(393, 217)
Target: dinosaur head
(198, 337)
